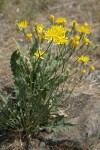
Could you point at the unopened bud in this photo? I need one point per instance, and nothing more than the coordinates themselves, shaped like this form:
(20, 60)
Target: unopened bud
(92, 68)
(52, 18)
(83, 72)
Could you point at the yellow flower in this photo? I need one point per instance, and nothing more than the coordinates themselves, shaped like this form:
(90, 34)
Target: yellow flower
(61, 21)
(84, 29)
(52, 18)
(86, 24)
(61, 40)
(83, 72)
(39, 29)
(56, 33)
(92, 68)
(75, 43)
(29, 36)
(39, 54)
(84, 59)
(76, 38)
(23, 25)
(86, 41)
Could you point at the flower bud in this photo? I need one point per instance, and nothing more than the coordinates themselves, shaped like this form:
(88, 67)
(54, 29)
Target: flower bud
(75, 43)
(86, 41)
(76, 38)
(29, 36)
(92, 68)
(86, 25)
(29, 65)
(52, 18)
(83, 72)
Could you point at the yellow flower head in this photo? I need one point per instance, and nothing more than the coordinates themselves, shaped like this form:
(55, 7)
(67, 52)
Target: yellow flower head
(84, 59)
(39, 28)
(52, 18)
(61, 40)
(83, 72)
(84, 29)
(39, 54)
(23, 25)
(29, 36)
(92, 68)
(75, 43)
(55, 33)
(86, 41)
(61, 21)
(77, 38)
(86, 25)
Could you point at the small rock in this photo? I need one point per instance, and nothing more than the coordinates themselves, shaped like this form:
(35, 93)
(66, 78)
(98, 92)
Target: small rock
(34, 143)
(74, 120)
(1, 81)
(42, 145)
(1, 16)
(17, 10)
(21, 40)
(89, 123)
(96, 147)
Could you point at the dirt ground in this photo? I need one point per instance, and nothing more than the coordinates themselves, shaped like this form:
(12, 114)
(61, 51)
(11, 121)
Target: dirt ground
(86, 97)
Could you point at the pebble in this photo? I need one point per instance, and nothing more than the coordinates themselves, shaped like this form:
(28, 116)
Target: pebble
(42, 145)
(1, 16)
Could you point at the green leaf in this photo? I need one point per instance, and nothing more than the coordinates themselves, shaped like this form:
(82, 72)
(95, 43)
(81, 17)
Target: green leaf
(3, 97)
(15, 60)
(59, 127)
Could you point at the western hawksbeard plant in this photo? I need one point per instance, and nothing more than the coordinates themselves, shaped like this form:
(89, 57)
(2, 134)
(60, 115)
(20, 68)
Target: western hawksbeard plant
(45, 74)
